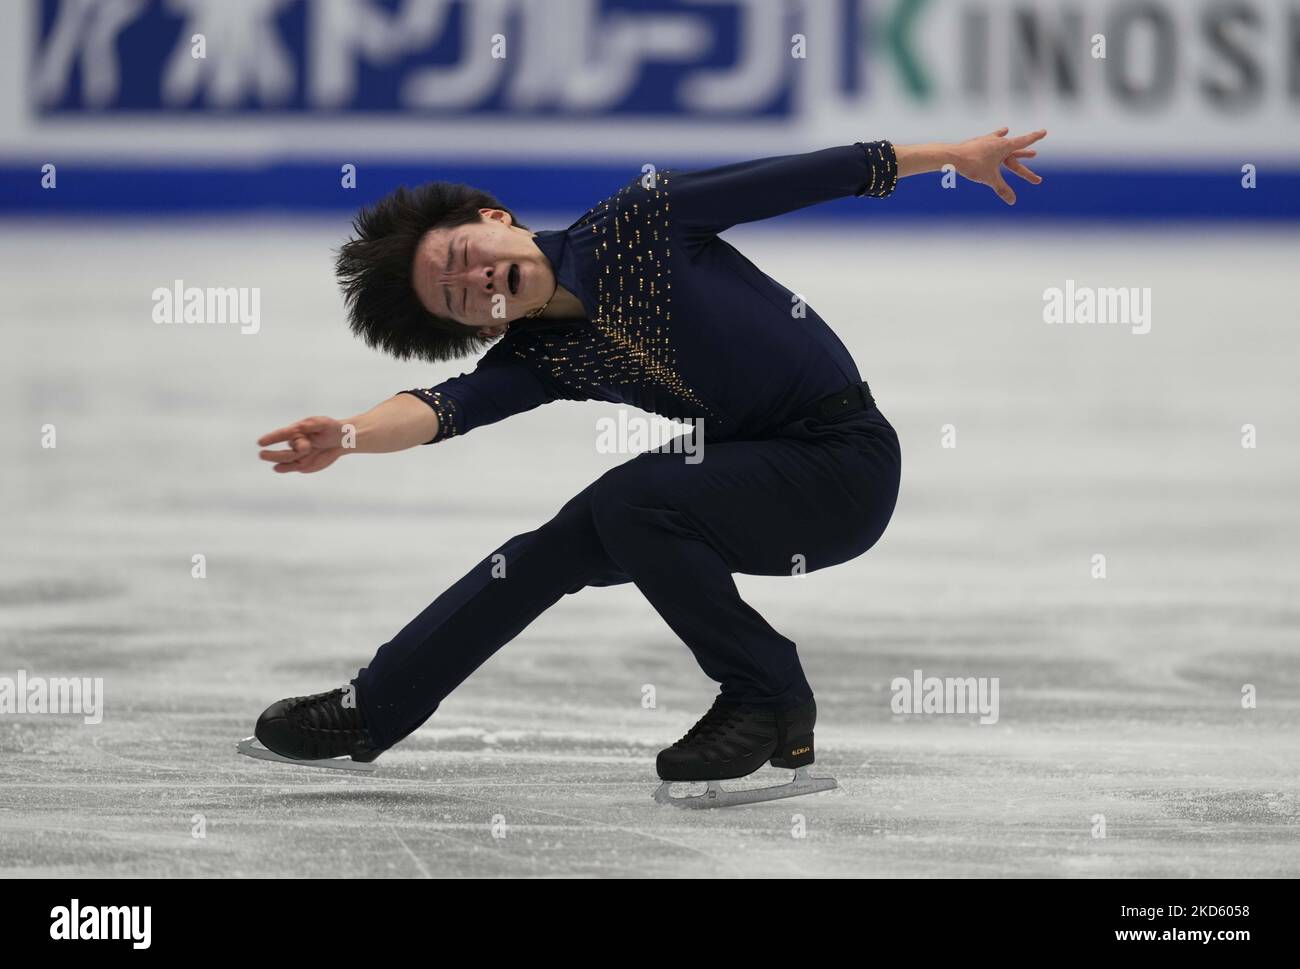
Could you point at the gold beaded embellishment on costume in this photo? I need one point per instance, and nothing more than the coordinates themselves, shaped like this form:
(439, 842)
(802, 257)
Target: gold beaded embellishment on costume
(633, 250)
(883, 163)
(444, 407)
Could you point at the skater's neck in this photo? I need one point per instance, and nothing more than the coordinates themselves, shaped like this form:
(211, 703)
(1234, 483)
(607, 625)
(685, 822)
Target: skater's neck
(563, 305)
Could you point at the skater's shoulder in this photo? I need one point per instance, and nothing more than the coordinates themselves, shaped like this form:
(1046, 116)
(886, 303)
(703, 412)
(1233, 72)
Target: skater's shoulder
(639, 202)
(525, 339)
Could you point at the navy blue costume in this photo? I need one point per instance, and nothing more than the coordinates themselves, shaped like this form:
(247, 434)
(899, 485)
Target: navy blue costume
(679, 324)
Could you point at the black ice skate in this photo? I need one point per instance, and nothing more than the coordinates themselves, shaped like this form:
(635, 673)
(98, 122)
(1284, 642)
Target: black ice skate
(733, 740)
(312, 731)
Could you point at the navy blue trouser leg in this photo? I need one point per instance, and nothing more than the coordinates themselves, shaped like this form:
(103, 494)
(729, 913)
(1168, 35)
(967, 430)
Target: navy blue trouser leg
(410, 675)
(679, 531)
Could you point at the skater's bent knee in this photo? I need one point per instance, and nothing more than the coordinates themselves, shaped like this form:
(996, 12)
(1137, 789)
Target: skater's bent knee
(618, 498)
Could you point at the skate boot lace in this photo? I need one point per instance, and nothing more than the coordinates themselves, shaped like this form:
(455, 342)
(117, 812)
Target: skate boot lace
(713, 724)
(325, 714)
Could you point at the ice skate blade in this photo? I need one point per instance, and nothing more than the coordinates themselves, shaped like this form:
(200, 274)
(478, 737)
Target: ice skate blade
(249, 747)
(717, 796)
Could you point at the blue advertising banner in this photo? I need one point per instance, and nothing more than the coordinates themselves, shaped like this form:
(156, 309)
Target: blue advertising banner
(562, 58)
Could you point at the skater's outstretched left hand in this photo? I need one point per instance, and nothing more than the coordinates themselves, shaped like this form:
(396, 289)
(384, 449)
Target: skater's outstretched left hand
(979, 159)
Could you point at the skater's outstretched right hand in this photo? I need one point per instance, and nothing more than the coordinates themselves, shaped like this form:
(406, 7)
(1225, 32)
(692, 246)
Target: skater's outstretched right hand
(314, 444)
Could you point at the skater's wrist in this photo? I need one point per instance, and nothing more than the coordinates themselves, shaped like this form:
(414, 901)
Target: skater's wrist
(368, 436)
(397, 424)
(919, 159)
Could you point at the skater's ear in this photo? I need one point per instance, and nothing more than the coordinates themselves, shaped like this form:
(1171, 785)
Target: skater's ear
(497, 215)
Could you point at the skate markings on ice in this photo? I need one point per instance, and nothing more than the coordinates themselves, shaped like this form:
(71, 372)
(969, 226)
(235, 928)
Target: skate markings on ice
(250, 747)
(716, 796)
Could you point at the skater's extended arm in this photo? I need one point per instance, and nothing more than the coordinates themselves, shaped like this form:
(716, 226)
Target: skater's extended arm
(499, 387)
(706, 202)
(711, 200)
(496, 389)
(317, 442)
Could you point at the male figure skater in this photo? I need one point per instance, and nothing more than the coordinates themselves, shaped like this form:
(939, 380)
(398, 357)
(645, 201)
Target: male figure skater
(642, 303)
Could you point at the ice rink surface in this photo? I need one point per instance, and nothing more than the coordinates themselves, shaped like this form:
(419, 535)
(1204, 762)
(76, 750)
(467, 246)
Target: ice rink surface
(1119, 697)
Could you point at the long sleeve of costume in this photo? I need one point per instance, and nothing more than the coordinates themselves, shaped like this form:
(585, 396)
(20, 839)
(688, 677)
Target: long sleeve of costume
(713, 199)
(497, 388)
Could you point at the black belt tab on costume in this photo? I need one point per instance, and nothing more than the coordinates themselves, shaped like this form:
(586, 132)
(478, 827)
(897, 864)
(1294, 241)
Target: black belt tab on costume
(854, 397)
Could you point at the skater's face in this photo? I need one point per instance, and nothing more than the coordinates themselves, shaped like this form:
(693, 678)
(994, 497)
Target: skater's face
(483, 274)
